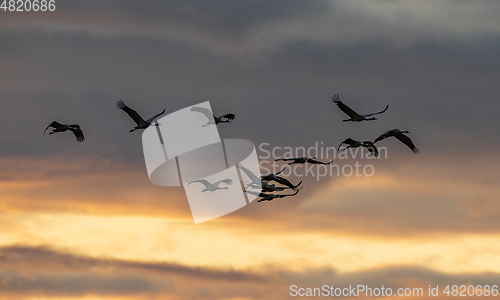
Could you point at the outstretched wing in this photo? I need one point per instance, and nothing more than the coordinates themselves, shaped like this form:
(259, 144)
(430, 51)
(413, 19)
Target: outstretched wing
(283, 196)
(378, 113)
(77, 132)
(347, 141)
(228, 116)
(371, 147)
(286, 182)
(204, 182)
(55, 125)
(207, 112)
(346, 109)
(132, 113)
(407, 141)
(254, 193)
(150, 120)
(317, 162)
(249, 173)
(383, 136)
(226, 181)
(280, 171)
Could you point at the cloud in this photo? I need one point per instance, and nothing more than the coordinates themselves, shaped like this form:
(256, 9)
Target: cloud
(43, 257)
(275, 64)
(47, 272)
(254, 26)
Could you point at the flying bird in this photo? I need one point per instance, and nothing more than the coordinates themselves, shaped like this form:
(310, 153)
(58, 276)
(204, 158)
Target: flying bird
(400, 135)
(280, 179)
(269, 197)
(141, 123)
(212, 187)
(303, 159)
(212, 119)
(264, 179)
(355, 144)
(355, 117)
(266, 187)
(58, 127)
(254, 179)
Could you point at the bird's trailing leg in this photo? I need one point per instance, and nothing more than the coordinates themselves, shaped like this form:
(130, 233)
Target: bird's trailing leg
(295, 187)
(280, 171)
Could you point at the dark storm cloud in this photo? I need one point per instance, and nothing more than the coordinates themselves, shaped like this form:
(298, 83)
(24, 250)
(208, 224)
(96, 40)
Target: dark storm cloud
(441, 91)
(79, 76)
(82, 77)
(223, 16)
(221, 19)
(442, 88)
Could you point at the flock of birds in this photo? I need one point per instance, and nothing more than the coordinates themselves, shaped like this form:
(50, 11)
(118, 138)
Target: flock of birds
(77, 131)
(355, 117)
(263, 183)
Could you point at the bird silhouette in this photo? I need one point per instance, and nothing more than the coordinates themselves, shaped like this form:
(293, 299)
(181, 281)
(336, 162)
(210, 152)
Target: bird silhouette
(141, 123)
(355, 144)
(212, 187)
(58, 127)
(354, 116)
(280, 179)
(303, 159)
(212, 119)
(254, 180)
(267, 187)
(269, 197)
(400, 135)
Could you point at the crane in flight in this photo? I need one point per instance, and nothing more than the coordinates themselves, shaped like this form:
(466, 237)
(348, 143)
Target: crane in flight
(254, 179)
(355, 144)
(264, 180)
(354, 116)
(280, 179)
(141, 123)
(269, 197)
(269, 188)
(303, 159)
(212, 187)
(212, 119)
(58, 127)
(400, 135)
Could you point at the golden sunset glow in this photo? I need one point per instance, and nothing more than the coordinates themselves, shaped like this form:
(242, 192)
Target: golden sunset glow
(81, 220)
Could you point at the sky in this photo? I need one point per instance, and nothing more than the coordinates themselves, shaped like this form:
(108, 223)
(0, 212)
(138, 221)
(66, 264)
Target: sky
(83, 221)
